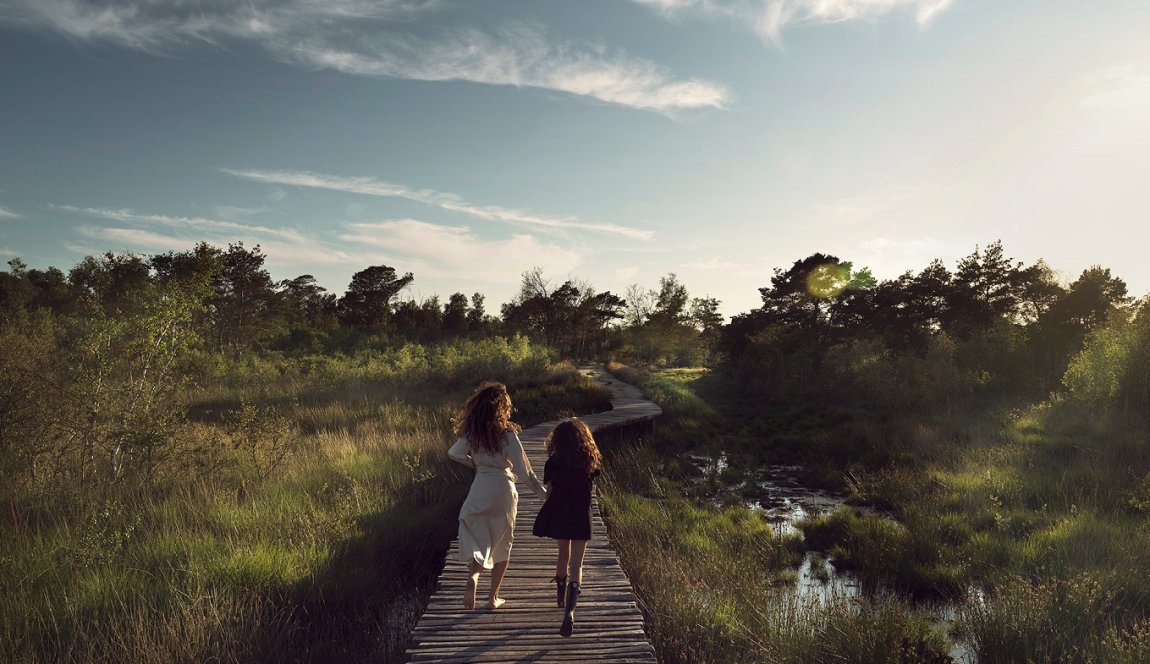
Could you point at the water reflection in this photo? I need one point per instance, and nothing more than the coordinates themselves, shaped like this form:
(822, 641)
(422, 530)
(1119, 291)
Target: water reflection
(777, 492)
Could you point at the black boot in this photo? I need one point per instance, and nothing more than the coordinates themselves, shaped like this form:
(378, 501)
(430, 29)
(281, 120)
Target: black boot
(568, 625)
(560, 590)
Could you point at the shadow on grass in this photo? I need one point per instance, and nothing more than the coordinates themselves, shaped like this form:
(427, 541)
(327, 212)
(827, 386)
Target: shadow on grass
(362, 604)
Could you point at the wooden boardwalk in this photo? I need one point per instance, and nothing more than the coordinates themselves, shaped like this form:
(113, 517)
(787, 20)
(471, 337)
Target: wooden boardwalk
(608, 624)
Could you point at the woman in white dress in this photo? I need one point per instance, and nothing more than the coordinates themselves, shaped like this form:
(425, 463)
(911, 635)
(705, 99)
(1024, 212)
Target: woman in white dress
(488, 442)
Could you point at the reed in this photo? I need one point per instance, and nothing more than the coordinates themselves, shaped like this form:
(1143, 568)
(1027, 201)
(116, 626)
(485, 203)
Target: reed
(328, 554)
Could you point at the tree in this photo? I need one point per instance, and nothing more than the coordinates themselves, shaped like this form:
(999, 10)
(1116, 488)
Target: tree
(906, 312)
(705, 317)
(24, 289)
(192, 271)
(986, 289)
(804, 298)
(1089, 301)
(128, 375)
(413, 319)
(1040, 291)
(116, 283)
(367, 302)
(667, 333)
(640, 303)
(533, 310)
(670, 306)
(16, 291)
(571, 318)
(477, 316)
(455, 315)
(244, 301)
(305, 303)
(594, 312)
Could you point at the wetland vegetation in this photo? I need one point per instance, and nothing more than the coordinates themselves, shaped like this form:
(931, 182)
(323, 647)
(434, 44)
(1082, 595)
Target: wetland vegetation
(202, 464)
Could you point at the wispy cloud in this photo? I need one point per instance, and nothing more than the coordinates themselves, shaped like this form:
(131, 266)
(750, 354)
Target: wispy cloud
(284, 245)
(236, 212)
(366, 38)
(305, 253)
(446, 201)
(888, 258)
(8, 214)
(455, 251)
(879, 204)
(430, 250)
(770, 17)
(184, 223)
(522, 57)
(1118, 87)
(710, 264)
(134, 238)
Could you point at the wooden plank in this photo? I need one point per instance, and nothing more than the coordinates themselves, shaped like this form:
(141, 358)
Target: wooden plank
(608, 623)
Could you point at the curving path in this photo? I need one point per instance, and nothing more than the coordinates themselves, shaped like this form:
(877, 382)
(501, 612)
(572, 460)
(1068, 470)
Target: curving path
(608, 624)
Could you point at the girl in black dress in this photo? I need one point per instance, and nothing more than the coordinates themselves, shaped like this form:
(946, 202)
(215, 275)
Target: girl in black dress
(573, 461)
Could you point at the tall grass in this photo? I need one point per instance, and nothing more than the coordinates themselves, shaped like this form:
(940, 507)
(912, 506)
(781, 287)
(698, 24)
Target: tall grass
(330, 556)
(715, 584)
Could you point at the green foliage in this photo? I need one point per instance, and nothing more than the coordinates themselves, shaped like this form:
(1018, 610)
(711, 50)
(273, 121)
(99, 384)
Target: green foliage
(1096, 372)
(571, 318)
(367, 302)
(265, 436)
(715, 583)
(1061, 619)
(913, 557)
(302, 515)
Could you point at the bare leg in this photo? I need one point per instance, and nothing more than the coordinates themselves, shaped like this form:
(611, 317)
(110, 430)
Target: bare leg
(574, 581)
(564, 557)
(472, 583)
(494, 601)
(575, 569)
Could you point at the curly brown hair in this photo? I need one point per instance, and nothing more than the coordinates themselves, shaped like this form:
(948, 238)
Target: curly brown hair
(485, 418)
(573, 445)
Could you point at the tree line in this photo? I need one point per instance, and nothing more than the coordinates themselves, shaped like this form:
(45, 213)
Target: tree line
(238, 306)
(992, 330)
(94, 361)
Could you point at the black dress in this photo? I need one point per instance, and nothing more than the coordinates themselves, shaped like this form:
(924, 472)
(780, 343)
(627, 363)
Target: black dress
(567, 512)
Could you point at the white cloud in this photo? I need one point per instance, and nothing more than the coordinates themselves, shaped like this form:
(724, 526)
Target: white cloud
(710, 264)
(625, 273)
(132, 238)
(8, 214)
(888, 258)
(310, 252)
(282, 245)
(1121, 87)
(522, 57)
(364, 38)
(235, 212)
(430, 250)
(447, 201)
(770, 17)
(185, 223)
(6, 251)
(455, 251)
(878, 205)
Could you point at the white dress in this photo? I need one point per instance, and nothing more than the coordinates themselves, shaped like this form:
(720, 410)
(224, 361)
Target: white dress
(487, 518)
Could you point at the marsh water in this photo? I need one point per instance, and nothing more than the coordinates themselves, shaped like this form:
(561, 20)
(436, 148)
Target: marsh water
(779, 494)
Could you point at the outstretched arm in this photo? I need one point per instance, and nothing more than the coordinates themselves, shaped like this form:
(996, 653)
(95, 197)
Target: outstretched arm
(522, 465)
(459, 453)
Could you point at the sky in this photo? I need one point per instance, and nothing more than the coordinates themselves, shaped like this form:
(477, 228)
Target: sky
(608, 141)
